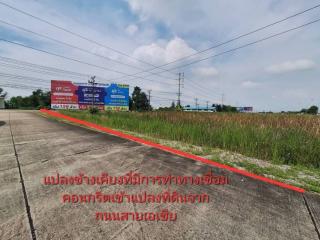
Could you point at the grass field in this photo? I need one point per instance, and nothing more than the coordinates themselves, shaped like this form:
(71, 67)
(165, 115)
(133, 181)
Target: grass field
(279, 138)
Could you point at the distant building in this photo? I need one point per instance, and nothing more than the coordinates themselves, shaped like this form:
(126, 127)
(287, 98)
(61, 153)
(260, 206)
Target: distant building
(189, 108)
(1, 102)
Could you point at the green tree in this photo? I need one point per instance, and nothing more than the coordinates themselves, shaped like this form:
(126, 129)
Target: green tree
(130, 103)
(173, 105)
(313, 110)
(139, 100)
(38, 99)
(224, 108)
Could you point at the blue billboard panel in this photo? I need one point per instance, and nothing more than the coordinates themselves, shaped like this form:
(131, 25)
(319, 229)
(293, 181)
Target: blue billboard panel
(86, 93)
(117, 97)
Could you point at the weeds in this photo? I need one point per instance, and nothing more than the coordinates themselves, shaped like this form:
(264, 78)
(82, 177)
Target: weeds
(278, 138)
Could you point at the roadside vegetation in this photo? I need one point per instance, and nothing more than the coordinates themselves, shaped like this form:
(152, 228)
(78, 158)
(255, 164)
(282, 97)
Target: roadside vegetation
(298, 175)
(38, 99)
(278, 138)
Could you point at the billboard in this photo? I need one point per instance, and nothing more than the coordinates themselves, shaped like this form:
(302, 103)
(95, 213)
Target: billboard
(69, 95)
(117, 97)
(245, 109)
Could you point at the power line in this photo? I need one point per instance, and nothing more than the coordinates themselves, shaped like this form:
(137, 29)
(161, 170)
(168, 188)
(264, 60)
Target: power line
(71, 59)
(39, 81)
(171, 99)
(75, 47)
(24, 87)
(161, 93)
(202, 50)
(204, 92)
(164, 92)
(32, 70)
(8, 80)
(23, 77)
(220, 44)
(248, 44)
(46, 70)
(234, 49)
(75, 34)
(11, 60)
(232, 39)
(42, 67)
(242, 35)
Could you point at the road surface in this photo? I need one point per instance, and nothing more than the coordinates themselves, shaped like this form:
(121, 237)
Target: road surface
(32, 146)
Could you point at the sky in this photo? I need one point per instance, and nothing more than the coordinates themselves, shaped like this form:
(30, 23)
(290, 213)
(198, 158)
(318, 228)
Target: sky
(135, 36)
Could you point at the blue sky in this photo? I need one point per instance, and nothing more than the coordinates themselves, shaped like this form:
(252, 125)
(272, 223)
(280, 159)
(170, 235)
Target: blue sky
(278, 74)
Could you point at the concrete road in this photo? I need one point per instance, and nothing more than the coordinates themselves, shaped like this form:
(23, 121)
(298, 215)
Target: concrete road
(32, 147)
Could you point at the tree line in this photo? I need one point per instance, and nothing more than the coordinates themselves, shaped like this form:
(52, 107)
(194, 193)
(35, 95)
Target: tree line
(38, 99)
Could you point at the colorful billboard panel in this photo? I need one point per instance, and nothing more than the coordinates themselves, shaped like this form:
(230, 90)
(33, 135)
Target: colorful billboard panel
(85, 94)
(248, 109)
(245, 109)
(117, 97)
(68, 95)
(63, 95)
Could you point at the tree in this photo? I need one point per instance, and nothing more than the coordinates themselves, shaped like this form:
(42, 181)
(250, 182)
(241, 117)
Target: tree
(139, 100)
(130, 103)
(173, 105)
(225, 108)
(2, 93)
(38, 99)
(313, 110)
(218, 108)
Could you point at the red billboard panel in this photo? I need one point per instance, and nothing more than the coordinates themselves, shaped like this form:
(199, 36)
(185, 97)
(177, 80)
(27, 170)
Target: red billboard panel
(64, 95)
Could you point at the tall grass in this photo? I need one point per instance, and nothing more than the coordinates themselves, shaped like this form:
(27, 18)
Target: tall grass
(280, 138)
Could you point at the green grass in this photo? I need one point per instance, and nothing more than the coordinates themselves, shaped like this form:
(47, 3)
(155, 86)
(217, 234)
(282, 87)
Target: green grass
(280, 139)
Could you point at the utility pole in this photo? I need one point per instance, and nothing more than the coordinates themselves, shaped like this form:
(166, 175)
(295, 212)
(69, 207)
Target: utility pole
(222, 98)
(149, 99)
(207, 105)
(93, 82)
(196, 99)
(180, 82)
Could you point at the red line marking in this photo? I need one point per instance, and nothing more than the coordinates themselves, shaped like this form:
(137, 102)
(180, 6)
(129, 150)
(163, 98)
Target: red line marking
(171, 150)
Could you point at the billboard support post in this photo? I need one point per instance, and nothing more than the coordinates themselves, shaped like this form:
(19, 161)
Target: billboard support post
(93, 82)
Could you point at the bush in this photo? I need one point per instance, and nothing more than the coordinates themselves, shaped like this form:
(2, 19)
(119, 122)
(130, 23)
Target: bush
(94, 110)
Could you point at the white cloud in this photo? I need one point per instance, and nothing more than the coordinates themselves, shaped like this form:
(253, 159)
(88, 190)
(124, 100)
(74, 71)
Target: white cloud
(290, 66)
(174, 49)
(206, 71)
(131, 29)
(249, 84)
(294, 93)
